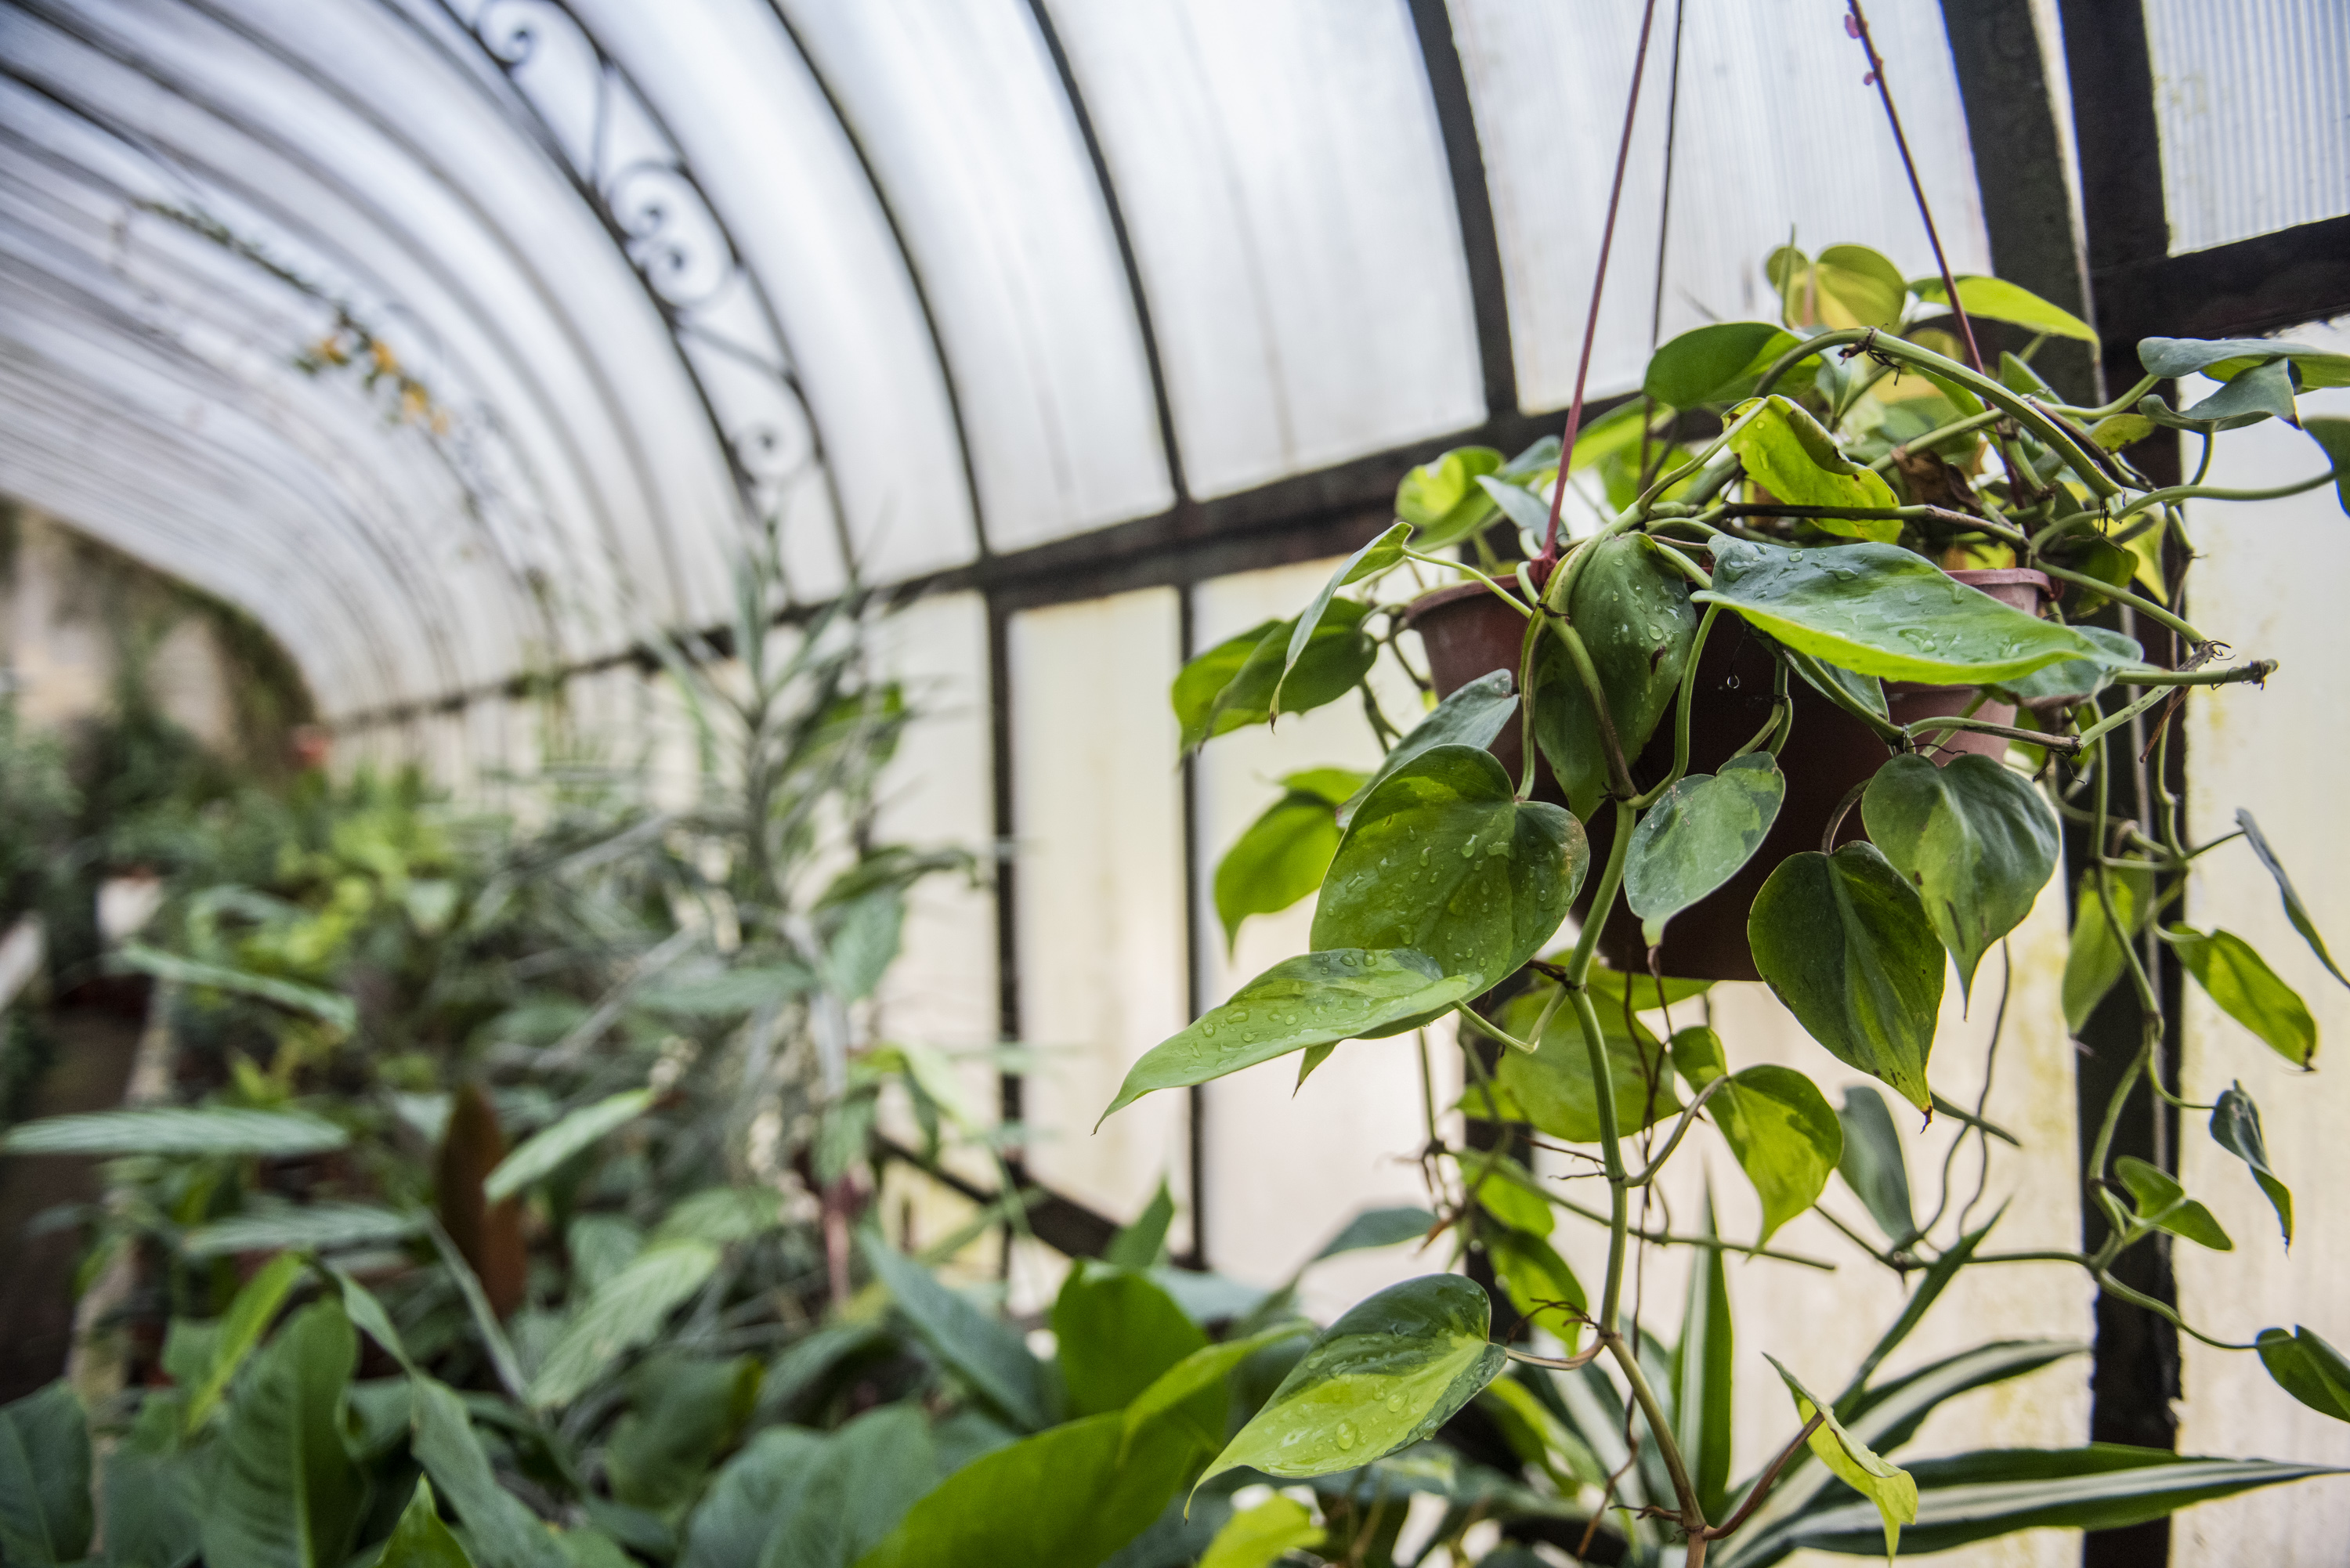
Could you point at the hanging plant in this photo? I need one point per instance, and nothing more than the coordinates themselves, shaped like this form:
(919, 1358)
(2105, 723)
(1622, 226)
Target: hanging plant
(1805, 699)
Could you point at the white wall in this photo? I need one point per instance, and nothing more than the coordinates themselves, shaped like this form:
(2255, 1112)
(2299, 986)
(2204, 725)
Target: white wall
(2269, 585)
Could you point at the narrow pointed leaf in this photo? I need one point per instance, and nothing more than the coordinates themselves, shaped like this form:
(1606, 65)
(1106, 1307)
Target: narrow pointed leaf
(1698, 836)
(1378, 1228)
(1844, 942)
(1529, 511)
(2236, 1127)
(539, 1155)
(2309, 1369)
(1975, 840)
(1370, 561)
(338, 1011)
(626, 1311)
(984, 1353)
(1930, 1286)
(311, 1227)
(1443, 858)
(177, 1130)
(1873, 1166)
(1175, 1389)
(1876, 609)
(241, 1328)
(1704, 1364)
(1315, 998)
(2295, 910)
(1143, 1244)
(1204, 678)
(1387, 1374)
(2248, 992)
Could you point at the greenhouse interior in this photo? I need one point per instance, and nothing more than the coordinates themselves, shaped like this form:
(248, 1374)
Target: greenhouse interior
(1173, 784)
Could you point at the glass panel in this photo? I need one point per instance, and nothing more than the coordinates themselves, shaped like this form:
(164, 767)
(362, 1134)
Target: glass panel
(1283, 181)
(769, 156)
(1347, 1139)
(1098, 814)
(2252, 100)
(1776, 136)
(962, 117)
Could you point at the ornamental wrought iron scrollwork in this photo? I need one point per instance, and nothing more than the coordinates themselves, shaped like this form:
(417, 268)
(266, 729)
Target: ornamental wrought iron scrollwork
(637, 179)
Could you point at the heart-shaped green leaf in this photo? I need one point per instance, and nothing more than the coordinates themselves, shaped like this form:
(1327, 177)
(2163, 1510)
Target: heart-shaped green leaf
(1866, 289)
(2163, 1204)
(1441, 499)
(1696, 836)
(2309, 1369)
(2077, 679)
(1789, 453)
(1877, 610)
(1315, 999)
(1283, 854)
(1232, 684)
(1844, 942)
(1387, 1374)
(1996, 300)
(1854, 1463)
(1779, 1127)
(1537, 1281)
(1976, 841)
(2225, 358)
(2248, 992)
(1552, 1086)
(1634, 617)
(1717, 363)
(1442, 857)
(1471, 716)
(1872, 1163)
(2236, 1127)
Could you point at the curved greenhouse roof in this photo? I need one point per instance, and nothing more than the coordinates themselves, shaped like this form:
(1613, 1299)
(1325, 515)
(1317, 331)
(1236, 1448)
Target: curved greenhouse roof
(459, 340)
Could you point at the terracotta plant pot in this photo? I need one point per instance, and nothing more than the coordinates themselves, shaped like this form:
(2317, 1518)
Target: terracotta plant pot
(1468, 633)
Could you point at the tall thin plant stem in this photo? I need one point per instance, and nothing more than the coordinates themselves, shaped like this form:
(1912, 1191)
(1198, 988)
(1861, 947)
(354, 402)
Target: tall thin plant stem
(1599, 280)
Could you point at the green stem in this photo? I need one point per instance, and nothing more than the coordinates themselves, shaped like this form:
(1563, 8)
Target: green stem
(1629, 1360)
(2164, 1310)
(1680, 1130)
(1936, 437)
(2120, 405)
(2257, 670)
(1711, 1244)
(1682, 711)
(1983, 726)
(2114, 721)
(1504, 595)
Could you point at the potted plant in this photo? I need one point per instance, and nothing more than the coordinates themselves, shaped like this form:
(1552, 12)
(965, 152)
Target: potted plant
(1816, 679)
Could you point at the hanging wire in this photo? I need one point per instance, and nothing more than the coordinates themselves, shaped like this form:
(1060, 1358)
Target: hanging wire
(1599, 284)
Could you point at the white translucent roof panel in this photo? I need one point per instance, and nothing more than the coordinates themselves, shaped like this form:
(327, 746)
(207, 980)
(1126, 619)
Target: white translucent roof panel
(2252, 99)
(1283, 178)
(1776, 134)
(960, 113)
(765, 145)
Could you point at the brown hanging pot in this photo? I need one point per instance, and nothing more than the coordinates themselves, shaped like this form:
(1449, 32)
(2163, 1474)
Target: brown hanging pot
(1468, 633)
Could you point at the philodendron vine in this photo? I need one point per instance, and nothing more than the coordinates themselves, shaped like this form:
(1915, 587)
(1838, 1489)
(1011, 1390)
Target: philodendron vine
(1810, 479)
